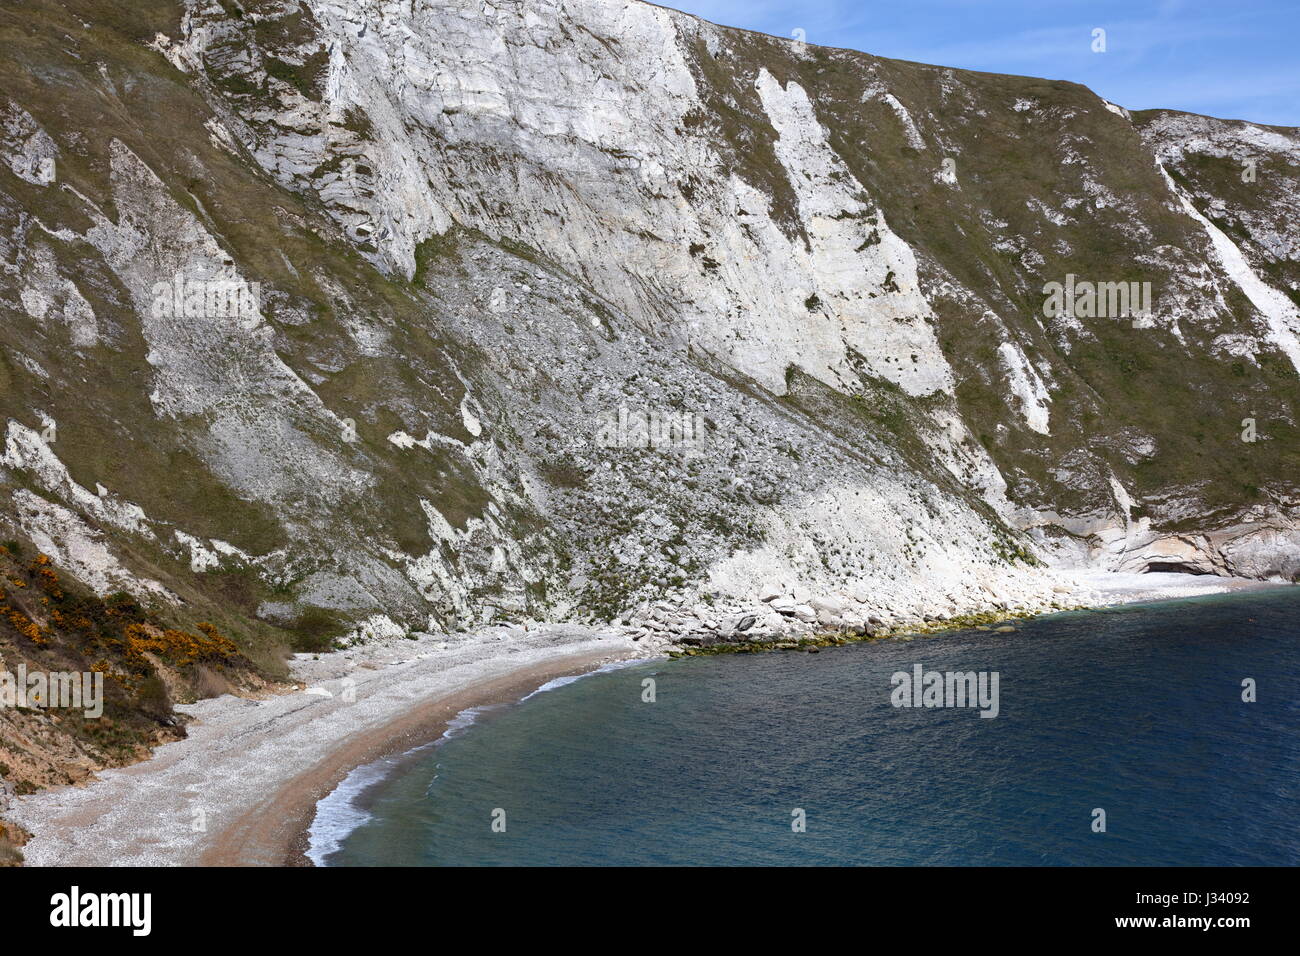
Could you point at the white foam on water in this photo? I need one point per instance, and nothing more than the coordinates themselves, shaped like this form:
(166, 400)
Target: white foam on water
(563, 681)
(339, 813)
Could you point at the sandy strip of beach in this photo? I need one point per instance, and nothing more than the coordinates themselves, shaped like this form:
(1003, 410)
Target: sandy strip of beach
(242, 788)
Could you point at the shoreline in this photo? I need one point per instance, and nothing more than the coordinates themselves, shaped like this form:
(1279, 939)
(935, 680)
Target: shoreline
(242, 788)
(278, 832)
(405, 750)
(255, 771)
(432, 723)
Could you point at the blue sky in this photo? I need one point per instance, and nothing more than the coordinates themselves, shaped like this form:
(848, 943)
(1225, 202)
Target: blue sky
(1236, 59)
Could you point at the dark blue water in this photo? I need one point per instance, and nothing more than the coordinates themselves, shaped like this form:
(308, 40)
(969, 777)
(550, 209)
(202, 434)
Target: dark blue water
(1136, 710)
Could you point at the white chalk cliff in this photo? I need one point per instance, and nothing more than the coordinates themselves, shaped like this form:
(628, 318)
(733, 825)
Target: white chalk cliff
(479, 230)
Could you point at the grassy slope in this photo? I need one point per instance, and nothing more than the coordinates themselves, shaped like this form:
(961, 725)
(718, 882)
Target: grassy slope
(1119, 382)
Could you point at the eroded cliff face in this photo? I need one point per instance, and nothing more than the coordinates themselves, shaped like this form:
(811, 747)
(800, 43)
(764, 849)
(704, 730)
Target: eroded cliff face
(556, 309)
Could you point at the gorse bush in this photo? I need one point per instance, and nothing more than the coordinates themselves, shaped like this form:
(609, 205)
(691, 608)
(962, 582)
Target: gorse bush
(115, 634)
